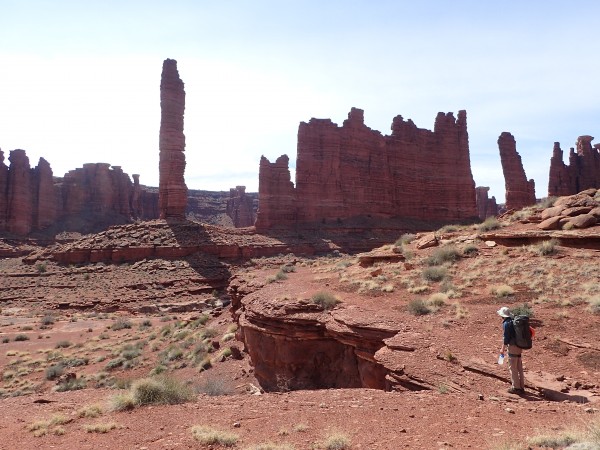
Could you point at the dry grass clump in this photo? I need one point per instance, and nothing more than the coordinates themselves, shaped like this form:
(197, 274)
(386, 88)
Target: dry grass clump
(325, 300)
(437, 300)
(152, 391)
(90, 411)
(588, 436)
(502, 290)
(100, 427)
(336, 441)
(594, 304)
(210, 436)
(406, 238)
(546, 248)
(271, 446)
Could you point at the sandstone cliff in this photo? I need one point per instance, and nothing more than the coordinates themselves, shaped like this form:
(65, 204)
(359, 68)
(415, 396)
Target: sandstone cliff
(583, 171)
(172, 190)
(240, 207)
(519, 191)
(350, 171)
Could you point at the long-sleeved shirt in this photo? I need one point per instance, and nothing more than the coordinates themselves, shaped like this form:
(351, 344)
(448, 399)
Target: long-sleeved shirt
(509, 331)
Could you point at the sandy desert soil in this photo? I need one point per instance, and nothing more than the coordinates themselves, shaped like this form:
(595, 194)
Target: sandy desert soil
(112, 324)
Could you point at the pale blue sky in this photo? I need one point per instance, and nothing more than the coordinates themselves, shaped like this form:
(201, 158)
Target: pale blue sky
(79, 81)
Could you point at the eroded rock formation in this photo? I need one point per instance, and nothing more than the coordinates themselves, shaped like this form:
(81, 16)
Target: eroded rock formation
(240, 207)
(486, 207)
(352, 171)
(583, 171)
(519, 191)
(172, 189)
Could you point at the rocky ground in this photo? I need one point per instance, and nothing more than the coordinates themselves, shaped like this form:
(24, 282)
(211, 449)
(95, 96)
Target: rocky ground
(419, 324)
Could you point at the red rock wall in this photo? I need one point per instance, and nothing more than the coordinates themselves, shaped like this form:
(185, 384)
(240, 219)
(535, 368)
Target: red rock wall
(519, 191)
(172, 188)
(583, 171)
(46, 201)
(486, 207)
(3, 191)
(350, 171)
(240, 207)
(20, 194)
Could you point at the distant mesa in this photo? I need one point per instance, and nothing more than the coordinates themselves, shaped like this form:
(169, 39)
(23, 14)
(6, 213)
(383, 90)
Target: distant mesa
(520, 192)
(352, 170)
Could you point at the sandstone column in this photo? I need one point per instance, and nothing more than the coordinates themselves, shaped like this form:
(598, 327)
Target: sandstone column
(20, 198)
(3, 191)
(519, 191)
(172, 191)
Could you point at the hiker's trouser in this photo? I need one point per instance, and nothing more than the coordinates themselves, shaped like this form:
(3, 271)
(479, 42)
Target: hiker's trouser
(515, 363)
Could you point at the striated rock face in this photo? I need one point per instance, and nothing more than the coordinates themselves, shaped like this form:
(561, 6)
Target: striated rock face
(20, 196)
(583, 171)
(46, 197)
(172, 188)
(351, 171)
(240, 207)
(519, 191)
(3, 191)
(486, 207)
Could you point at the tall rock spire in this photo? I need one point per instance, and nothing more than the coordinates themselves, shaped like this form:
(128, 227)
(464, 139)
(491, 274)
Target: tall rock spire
(172, 191)
(519, 191)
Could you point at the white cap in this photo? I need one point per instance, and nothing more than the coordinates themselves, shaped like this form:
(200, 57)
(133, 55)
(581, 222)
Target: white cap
(504, 312)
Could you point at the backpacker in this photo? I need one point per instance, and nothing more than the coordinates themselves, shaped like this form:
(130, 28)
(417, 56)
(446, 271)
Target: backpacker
(522, 332)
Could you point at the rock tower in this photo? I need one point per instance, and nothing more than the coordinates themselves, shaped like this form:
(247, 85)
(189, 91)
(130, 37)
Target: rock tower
(583, 171)
(172, 191)
(519, 191)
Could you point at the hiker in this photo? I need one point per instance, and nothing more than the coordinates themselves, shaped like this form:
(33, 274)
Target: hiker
(515, 362)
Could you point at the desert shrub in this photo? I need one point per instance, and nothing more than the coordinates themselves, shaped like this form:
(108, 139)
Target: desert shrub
(561, 440)
(546, 202)
(27, 328)
(120, 324)
(546, 248)
(503, 290)
(54, 371)
(441, 255)
(228, 337)
(215, 387)
(62, 344)
(437, 300)
(146, 323)
(281, 275)
(75, 362)
(115, 363)
(271, 446)
(40, 267)
(435, 273)
(406, 238)
(594, 304)
(325, 300)
(336, 441)
(5, 339)
(489, 224)
(417, 307)
(21, 337)
(522, 310)
(74, 384)
(470, 249)
(208, 333)
(449, 228)
(160, 390)
(287, 268)
(210, 436)
(47, 320)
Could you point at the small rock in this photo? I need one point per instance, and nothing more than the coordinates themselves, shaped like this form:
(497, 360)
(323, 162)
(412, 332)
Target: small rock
(479, 396)
(509, 410)
(236, 424)
(490, 243)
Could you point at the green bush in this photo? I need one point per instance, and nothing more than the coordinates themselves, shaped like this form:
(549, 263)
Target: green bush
(435, 273)
(418, 307)
(489, 224)
(281, 275)
(441, 255)
(547, 248)
(325, 300)
(287, 268)
(74, 384)
(21, 337)
(54, 371)
(522, 310)
(62, 344)
(469, 249)
(120, 324)
(47, 320)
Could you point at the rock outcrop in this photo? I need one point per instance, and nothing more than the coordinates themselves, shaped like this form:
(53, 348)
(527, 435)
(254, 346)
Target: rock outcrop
(352, 171)
(519, 191)
(172, 190)
(583, 171)
(19, 194)
(486, 207)
(240, 207)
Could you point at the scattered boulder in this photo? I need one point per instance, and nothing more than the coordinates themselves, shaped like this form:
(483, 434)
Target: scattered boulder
(552, 212)
(576, 200)
(552, 223)
(583, 221)
(429, 240)
(576, 211)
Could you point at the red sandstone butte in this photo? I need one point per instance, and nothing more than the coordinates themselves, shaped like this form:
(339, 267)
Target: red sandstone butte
(486, 207)
(519, 191)
(240, 207)
(583, 171)
(351, 171)
(172, 191)
(3, 192)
